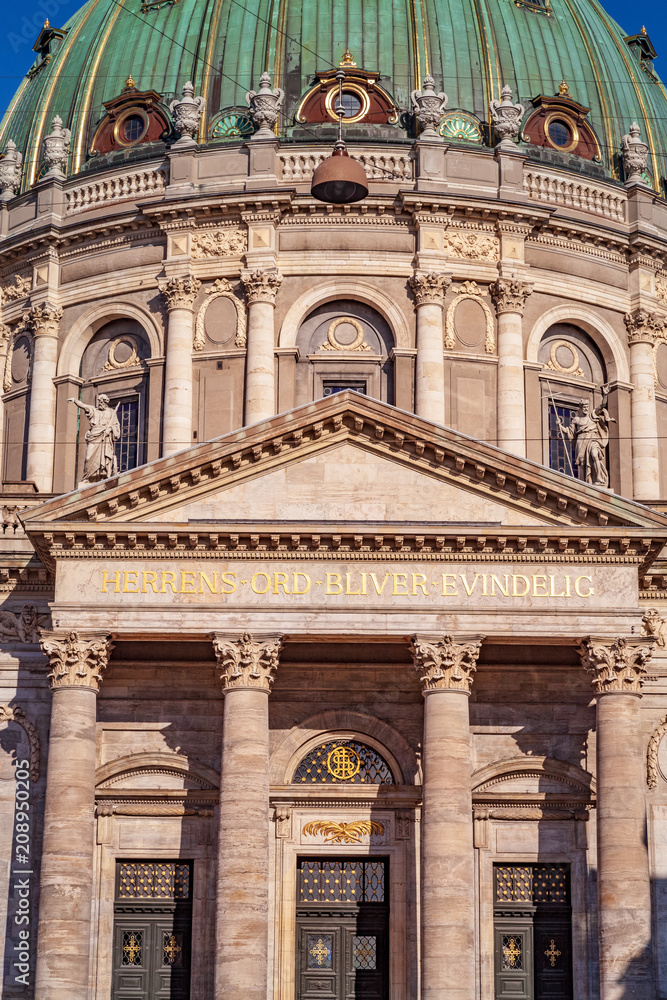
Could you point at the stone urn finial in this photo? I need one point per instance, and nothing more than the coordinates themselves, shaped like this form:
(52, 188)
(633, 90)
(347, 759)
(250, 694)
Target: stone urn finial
(506, 118)
(265, 105)
(187, 115)
(56, 149)
(635, 155)
(10, 171)
(428, 109)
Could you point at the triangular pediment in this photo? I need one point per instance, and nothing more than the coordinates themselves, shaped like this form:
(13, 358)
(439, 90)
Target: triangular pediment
(345, 461)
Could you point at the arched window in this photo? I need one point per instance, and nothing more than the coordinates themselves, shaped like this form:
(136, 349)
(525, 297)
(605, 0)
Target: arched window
(114, 363)
(343, 761)
(344, 345)
(573, 373)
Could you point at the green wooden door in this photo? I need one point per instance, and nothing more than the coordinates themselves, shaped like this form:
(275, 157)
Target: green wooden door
(152, 931)
(342, 933)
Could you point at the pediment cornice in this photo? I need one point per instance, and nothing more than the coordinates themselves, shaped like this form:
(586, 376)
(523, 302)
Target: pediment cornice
(132, 510)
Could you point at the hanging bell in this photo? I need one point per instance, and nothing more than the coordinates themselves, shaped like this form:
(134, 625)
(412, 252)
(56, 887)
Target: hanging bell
(339, 179)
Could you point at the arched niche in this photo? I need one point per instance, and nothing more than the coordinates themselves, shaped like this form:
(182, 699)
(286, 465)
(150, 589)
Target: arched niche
(344, 723)
(611, 346)
(344, 343)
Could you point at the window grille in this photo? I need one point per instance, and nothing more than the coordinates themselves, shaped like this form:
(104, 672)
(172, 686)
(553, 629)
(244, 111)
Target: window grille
(512, 953)
(340, 880)
(533, 884)
(153, 880)
(343, 761)
(132, 947)
(127, 445)
(364, 952)
(561, 451)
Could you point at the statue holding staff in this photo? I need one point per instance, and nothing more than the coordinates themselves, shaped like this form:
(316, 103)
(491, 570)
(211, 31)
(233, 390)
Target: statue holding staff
(100, 461)
(589, 430)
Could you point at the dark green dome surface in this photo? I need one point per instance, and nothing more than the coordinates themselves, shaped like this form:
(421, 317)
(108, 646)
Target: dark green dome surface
(471, 47)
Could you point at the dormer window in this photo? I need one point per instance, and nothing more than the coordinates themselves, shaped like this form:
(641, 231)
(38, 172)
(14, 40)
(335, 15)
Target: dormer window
(134, 117)
(363, 98)
(48, 42)
(642, 49)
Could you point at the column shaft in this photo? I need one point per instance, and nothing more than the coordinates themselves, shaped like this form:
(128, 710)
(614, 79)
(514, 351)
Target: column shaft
(645, 454)
(177, 419)
(66, 880)
(42, 418)
(447, 897)
(624, 888)
(260, 387)
(430, 374)
(243, 848)
(511, 389)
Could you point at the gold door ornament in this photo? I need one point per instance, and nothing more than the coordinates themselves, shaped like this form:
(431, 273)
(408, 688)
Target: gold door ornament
(344, 833)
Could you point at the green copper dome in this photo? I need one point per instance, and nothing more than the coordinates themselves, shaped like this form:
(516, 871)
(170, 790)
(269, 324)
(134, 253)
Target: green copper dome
(471, 47)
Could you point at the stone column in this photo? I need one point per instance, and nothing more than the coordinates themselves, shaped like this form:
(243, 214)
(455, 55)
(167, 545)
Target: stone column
(44, 321)
(643, 330)
(430, 288)
(624, 886)
(509, 296)
(261, 288)
(180, 294)
(5, 341)
(66, 879)
(247, 668)
(445, 667)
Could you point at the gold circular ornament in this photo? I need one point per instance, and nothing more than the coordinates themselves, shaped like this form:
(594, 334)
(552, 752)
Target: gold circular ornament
(566, 123)
(558, 366)
(118, 127)
(343, 763)
(336, 344)
(348, 88)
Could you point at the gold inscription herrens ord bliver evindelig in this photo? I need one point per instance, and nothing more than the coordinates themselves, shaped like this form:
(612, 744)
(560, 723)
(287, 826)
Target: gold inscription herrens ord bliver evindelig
(292, 583)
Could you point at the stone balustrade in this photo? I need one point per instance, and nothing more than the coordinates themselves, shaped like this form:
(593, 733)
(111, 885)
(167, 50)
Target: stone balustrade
(300, 164)
(124, 187)
(575, 192)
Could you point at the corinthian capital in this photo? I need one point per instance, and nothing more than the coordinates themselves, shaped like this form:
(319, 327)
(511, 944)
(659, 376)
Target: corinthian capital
(445, 663)
(261, 286)
(430, 287)
(643, 327)
(509, 295)
(180, 293)
(245, 662)
(44, 319)
(77, 660)
(619, 665)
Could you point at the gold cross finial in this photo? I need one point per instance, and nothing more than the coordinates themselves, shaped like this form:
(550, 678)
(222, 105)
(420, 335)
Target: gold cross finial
(129, 83)
(644, 31)
(564, 89)
(552, 953)
(47, 23)
(347, 61)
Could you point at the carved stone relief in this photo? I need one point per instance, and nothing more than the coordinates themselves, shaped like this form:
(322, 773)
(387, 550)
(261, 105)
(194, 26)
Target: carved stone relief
(472, 246)
(219, 243)
(18, 362)
(470, 290)
(23, 625)
(220, 289)
(9, 713)
(653, 754)
(345, 334)
(17, 288)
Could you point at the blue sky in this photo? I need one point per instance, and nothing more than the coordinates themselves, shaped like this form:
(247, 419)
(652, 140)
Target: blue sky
(22, 22)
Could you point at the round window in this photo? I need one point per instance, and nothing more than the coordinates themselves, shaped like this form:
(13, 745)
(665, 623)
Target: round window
(351, 104)
(560, 134)
(132, 128)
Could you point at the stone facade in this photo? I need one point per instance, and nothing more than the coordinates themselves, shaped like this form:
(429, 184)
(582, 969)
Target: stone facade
(285, 576)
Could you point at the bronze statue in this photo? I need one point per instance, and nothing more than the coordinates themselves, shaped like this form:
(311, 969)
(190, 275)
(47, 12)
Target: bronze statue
(100, 461)
(590, 433)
